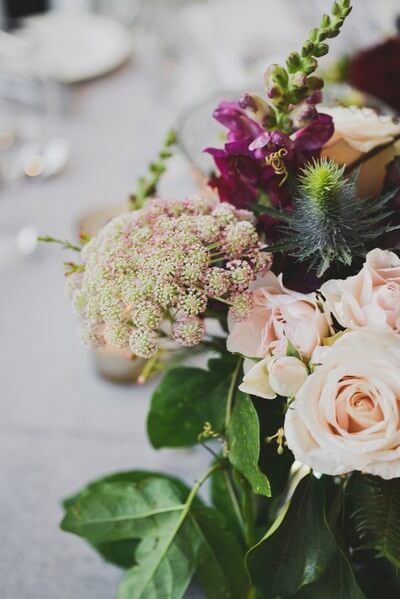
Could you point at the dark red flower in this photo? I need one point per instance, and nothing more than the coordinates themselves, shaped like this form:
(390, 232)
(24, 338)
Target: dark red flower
(376, 71)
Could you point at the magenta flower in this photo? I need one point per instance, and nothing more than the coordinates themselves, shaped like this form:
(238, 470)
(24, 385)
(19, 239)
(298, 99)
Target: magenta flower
(243, 175)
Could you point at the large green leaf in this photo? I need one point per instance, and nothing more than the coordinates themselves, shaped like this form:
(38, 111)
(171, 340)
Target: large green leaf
(177, 538)
(122, 552)
(376, 514)
(185, 400)
(300, 552)
(338, 581)
(220, 569)
(243, 436)
(132, 476)
(122, 510)
(119, 553)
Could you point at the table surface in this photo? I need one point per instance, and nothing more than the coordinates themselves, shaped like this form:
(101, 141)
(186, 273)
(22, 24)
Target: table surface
(60, 424)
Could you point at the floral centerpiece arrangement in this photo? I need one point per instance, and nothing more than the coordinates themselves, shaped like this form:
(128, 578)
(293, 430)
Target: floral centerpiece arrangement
(300, 404)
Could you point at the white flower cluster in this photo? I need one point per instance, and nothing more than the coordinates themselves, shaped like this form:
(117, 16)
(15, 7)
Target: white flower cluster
(150, 274)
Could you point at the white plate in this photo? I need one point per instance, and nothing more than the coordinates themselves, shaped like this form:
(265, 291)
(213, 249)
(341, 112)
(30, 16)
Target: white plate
(75, 47)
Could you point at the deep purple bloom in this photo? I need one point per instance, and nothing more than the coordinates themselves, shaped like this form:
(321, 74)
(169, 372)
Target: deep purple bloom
(243, 174)
(239, 124)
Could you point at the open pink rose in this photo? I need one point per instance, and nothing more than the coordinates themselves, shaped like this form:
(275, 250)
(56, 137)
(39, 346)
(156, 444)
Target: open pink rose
(370, 298)
(346, 415)
(278, 315)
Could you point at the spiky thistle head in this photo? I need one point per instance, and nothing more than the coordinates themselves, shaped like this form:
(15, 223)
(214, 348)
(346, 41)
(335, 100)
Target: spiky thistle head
(323, 183)
(330, 224)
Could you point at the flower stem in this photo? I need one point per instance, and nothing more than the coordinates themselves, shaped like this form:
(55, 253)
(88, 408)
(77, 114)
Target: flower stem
(199, 484)
(66, 245)
(232, 391)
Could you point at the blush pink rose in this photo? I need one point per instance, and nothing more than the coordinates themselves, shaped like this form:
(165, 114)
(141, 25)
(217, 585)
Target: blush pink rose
(279, 315)
(370, 298)
(346, 415)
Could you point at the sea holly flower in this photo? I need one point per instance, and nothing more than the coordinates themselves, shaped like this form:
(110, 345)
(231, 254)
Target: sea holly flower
(149, 275)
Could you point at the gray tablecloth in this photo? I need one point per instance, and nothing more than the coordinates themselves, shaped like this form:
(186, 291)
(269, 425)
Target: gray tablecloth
(60, 424)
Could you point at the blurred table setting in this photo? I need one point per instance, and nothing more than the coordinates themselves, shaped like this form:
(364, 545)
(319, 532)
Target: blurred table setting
(88, 90)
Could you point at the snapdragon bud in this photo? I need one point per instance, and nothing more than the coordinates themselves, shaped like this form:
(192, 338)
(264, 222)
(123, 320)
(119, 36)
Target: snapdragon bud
(276, 81)
(293, 62)
(259, 108)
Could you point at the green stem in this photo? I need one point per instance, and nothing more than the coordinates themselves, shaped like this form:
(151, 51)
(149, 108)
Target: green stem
(196, 488)
(232, 391)
(249, 515)
(66, 245)
(234, 498)
(149, 367)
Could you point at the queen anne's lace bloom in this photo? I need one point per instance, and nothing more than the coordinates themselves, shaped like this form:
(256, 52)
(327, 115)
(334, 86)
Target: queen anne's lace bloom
(150, 274)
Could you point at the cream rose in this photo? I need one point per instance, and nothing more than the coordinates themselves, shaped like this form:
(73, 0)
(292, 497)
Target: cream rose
(278, 315)
(346, 416)
(370, 298)
(274, 376)
(358, 131)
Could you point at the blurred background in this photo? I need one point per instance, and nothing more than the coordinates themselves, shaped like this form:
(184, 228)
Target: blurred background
(88, 89)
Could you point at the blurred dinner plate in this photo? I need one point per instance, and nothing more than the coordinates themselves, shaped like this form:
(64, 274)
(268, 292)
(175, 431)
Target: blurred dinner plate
(71, 48)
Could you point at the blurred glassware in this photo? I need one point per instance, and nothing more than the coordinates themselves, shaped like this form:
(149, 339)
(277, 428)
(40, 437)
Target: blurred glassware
(100, 45)
(28, 116)
(17, 246)
(123, 11)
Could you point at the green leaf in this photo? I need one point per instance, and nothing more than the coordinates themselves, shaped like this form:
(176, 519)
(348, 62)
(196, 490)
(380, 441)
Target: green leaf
(113, 511)
(220, 569)
(185, 400)
(127, 476)
(177, 538)
(119, 553)
(376, 514)
(299, 549)
(166, 561)
(243, 436)
(338, 581)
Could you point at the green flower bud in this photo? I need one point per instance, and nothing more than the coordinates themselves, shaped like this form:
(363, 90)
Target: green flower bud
(277, 74)
(293, 62)
(308, 48)
(321, 50)
(336, 10)
(310, 66)
(325, 22)
(314, 34)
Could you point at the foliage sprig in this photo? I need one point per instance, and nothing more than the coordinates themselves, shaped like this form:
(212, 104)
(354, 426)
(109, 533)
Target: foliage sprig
(147, 185)
(288, 87)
